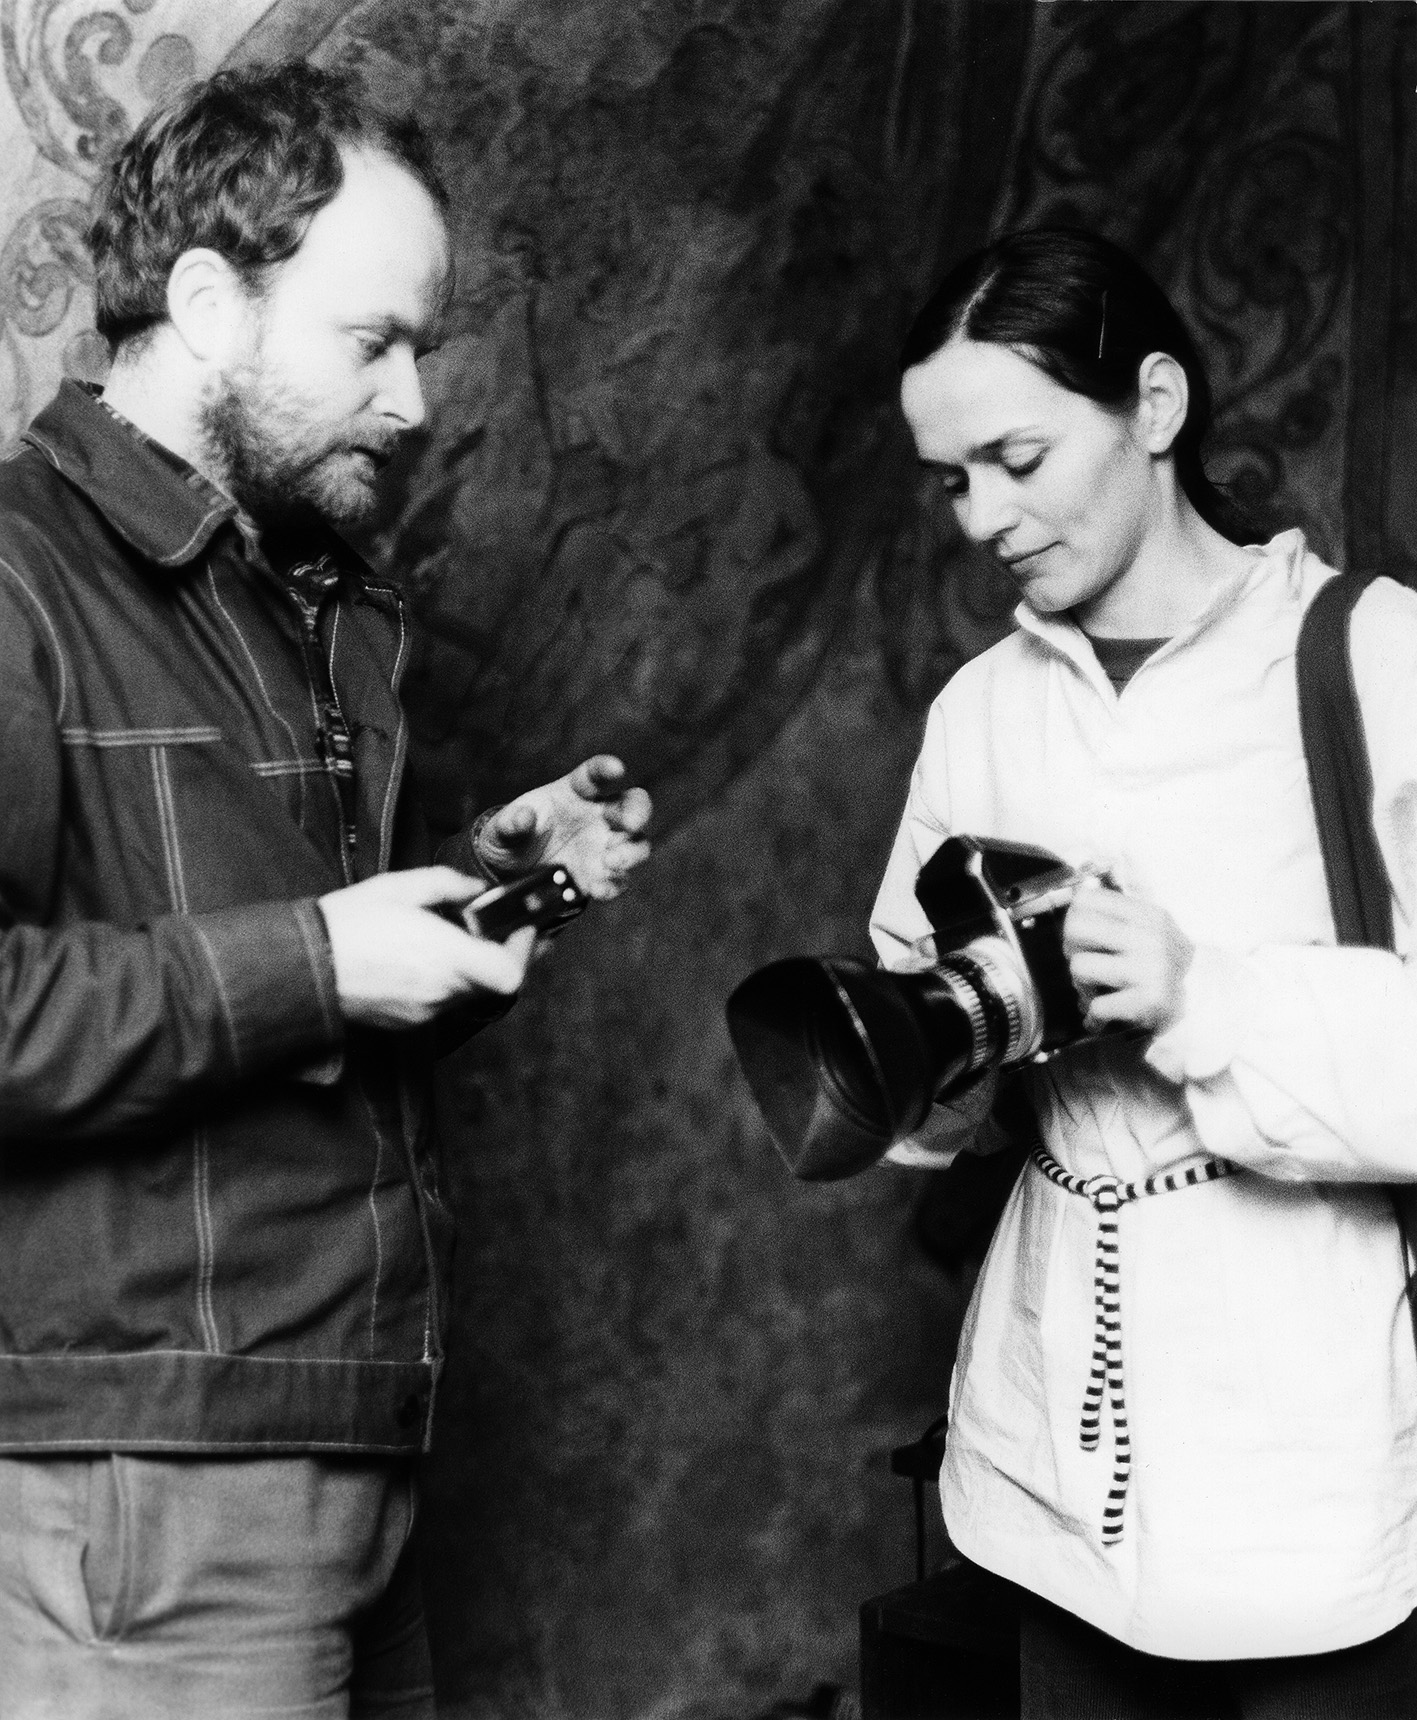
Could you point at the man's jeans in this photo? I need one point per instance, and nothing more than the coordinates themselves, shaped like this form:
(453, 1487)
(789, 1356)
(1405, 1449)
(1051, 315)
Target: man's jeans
(144, 1588)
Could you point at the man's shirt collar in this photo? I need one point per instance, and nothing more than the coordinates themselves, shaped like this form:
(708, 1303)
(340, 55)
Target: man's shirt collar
(150, 496)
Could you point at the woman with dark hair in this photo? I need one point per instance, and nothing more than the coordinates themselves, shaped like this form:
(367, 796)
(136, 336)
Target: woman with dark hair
(1184, 1414)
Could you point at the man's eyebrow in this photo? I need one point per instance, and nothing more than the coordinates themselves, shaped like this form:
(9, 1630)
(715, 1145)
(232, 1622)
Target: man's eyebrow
(424, 336)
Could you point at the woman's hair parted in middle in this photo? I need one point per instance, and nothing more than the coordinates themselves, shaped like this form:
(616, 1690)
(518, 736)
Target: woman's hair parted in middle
(1086, 314)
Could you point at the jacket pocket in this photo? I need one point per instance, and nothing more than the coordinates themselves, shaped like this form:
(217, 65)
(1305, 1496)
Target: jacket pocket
(126, 781)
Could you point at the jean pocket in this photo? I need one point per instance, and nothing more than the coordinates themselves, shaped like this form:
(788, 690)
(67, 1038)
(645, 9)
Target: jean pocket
(106, 1557)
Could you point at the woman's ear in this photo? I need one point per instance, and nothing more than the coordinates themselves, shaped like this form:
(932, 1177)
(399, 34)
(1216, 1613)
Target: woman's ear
(1163, 394)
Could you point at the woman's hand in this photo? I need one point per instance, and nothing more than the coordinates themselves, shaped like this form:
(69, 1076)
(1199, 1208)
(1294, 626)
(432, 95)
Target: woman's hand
(1128, 960)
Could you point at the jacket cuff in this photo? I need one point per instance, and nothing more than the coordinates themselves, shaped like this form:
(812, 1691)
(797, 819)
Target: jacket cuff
(454, 1027)
(276, 980)
(1215, 1011)
(462, 853)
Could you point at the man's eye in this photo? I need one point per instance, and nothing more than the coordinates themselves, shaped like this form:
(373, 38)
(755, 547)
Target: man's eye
(371, 346)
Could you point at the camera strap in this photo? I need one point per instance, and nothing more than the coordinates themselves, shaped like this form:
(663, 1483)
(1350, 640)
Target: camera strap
(1341, 785)
(1340, 777)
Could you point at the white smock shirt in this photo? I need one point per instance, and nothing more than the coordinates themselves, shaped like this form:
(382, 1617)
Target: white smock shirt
(1266, 1345)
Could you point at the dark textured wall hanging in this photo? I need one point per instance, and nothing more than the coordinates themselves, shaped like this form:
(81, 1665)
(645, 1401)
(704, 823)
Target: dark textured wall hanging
(666, 441)
(666, 504)
(1253, 156)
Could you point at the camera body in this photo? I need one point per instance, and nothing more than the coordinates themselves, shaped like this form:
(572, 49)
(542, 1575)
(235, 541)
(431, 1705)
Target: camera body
(547, 897)
(999, 907)
(844, 1058)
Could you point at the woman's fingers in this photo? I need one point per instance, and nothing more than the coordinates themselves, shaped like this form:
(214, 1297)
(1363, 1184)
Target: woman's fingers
(1128, 960)
(1101, 920)
(1112, 1010)
(1094, 972)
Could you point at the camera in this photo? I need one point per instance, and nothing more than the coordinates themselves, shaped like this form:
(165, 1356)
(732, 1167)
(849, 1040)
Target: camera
(844, 1058)
(547, 897)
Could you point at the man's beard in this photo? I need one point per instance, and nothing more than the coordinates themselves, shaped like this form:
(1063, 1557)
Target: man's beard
(261, 444)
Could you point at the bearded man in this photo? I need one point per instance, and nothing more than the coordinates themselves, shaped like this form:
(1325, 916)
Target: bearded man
(224, 965)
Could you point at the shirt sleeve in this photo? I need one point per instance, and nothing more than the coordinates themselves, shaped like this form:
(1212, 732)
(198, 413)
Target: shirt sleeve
(904, 943)
(961, 1124)
(900, 929)
(1301, 1062)
(106, 1030)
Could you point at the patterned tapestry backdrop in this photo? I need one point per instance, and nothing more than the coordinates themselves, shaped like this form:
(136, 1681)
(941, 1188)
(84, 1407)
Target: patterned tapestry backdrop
(666, 504)
(615, 537)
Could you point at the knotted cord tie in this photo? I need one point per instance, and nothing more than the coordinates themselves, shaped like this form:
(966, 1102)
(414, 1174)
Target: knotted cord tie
(1108, 1196)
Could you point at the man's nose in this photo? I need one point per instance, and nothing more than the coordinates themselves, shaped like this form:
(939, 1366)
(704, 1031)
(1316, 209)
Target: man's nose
(400, 393)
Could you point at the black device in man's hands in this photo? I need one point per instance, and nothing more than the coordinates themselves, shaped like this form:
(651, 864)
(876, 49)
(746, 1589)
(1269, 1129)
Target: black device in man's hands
(545, 898)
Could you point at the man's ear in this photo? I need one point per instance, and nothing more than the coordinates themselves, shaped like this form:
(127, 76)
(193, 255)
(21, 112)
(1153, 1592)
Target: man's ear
(206, 303)
(1163, 394)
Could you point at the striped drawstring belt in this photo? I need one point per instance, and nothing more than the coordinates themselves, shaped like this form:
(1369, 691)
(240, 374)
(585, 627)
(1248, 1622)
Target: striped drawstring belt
(1108, 1197)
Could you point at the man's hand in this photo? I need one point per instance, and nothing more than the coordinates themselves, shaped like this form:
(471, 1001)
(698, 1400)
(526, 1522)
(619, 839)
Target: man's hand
(590, 821)
(1128, 960)
(398, 963)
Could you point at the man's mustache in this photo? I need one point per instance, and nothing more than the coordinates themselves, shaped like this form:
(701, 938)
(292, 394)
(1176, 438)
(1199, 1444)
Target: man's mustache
(380, 447)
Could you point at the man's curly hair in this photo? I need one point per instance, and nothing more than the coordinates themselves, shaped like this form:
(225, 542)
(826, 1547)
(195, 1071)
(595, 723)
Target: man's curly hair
(240, 163)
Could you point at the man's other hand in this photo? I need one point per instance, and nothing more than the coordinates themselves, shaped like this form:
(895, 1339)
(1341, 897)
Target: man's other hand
(398, 963)
(590, 820)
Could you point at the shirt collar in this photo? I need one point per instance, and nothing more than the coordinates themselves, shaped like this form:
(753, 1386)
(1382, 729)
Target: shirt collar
(150, 496)
(1282, 556)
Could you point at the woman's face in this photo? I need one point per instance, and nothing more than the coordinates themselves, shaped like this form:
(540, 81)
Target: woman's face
(1061, 490)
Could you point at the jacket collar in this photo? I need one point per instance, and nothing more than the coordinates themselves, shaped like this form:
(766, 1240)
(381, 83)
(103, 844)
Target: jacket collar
(150, 496)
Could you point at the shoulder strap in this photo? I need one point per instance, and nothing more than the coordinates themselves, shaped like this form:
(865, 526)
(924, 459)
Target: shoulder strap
(1341, 782)
(1340, 777)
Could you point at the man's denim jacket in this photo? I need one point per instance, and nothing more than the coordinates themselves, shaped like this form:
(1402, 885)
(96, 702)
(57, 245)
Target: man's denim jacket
(220, 1224)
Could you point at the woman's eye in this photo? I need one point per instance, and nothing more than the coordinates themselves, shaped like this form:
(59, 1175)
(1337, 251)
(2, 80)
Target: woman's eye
(1021, 468)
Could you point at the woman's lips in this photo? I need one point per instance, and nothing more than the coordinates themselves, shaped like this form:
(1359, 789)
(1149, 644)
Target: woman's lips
(1026, 555)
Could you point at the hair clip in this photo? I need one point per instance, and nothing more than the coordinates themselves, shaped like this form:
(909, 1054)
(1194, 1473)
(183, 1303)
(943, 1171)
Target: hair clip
(1102, 332)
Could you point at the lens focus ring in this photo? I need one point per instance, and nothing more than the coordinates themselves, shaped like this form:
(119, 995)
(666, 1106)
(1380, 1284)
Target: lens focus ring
(961, 978)
(1001, 989)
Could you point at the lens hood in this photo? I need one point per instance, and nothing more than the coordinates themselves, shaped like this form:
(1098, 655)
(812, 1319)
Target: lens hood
(843, 1057)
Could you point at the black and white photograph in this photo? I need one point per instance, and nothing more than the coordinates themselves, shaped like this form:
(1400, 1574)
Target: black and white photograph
(708, 860)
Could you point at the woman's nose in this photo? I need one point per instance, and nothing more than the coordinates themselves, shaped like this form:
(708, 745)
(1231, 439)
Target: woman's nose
(987, 509)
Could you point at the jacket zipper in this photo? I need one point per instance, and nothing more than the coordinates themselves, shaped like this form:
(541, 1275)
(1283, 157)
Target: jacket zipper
(335, 748)
(334, 745)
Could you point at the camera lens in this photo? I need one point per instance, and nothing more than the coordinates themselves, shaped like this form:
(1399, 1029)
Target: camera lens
(844, 1058)
(846, 1067)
